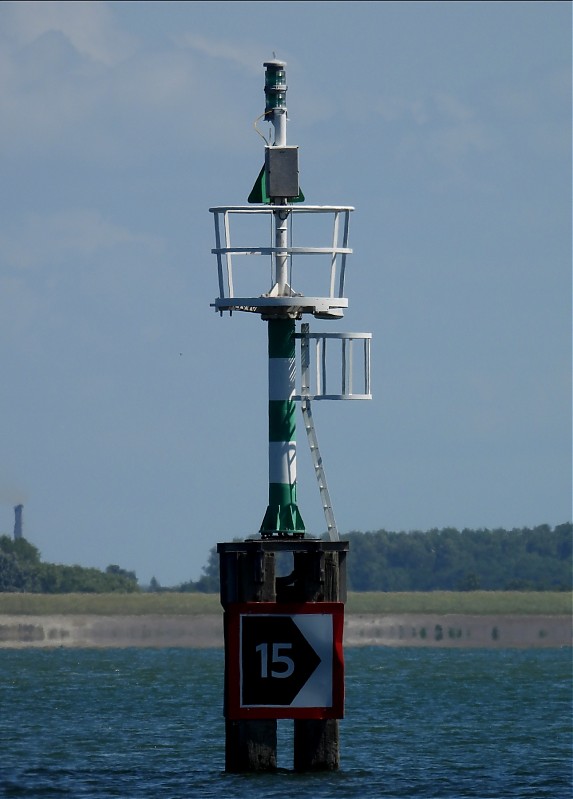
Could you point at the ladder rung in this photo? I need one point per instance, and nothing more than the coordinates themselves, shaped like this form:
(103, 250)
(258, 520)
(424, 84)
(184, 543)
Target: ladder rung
(319, 471)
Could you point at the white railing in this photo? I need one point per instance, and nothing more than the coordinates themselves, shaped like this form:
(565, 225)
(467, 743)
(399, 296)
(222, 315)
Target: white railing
(328, 301)
(351, 379)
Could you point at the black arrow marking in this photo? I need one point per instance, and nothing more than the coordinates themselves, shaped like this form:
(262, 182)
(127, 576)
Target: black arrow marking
(276, 660)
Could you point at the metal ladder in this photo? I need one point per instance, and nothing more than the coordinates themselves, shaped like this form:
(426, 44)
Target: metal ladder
(319, 470)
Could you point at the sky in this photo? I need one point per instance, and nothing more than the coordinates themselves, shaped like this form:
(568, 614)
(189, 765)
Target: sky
(133, 421)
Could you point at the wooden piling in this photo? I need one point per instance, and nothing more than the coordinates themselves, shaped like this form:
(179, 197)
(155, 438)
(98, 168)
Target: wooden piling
(248, 574)
(316, 741)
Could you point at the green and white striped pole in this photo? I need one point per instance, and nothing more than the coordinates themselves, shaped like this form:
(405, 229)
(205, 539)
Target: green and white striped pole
(282, 516)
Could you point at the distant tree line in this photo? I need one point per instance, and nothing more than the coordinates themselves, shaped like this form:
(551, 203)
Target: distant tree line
(525, 559)
(22, 570)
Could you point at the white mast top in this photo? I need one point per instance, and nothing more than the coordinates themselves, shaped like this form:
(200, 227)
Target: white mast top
(277, 194)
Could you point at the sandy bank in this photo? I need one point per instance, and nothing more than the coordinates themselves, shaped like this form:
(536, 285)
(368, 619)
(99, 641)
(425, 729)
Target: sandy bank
(206, 631)
(458, 630)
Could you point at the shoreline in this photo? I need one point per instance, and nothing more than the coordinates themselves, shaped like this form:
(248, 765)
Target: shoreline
(205, 631)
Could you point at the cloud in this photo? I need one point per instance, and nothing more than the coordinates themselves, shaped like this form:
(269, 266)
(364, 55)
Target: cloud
(440, 130)
(64, 237)
(89, 27)
(527, 116)
(74, 87)
(71, 80)
(540, 111)
(48, 259)
(55, 60)
(246, 57)
(393, 109)
(458, 131)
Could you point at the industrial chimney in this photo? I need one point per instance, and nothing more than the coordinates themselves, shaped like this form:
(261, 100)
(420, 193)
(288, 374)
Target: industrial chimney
(18, 522)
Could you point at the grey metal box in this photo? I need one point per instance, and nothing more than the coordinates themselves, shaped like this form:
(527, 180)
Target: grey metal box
(281, 166)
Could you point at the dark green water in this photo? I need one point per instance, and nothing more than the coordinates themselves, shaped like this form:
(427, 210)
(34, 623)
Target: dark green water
(419, 723)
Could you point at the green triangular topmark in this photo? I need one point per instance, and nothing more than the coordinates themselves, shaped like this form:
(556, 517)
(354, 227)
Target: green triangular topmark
(259, 191)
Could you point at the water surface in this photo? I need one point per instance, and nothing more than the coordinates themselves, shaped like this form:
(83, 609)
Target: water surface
(143, 723)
